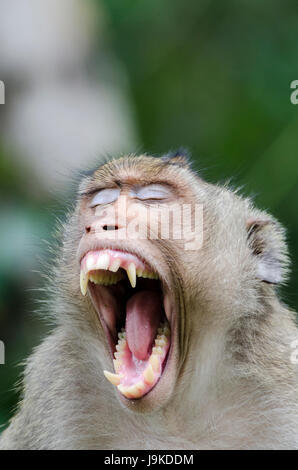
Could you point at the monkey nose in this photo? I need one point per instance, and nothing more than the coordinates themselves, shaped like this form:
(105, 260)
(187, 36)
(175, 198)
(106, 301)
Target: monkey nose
(110, 227)
(93, 228)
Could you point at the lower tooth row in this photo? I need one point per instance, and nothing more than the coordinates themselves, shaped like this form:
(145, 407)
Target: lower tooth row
(117, 365)
(133, 391)
(154, 362)
(147, 274)
(149, 374)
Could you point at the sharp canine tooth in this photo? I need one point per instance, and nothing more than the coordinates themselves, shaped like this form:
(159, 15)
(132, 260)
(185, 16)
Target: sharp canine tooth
(154, 361)
(83, 282)
(131, 273)
(149, 374)
(113, 378)
(115, 265)
(103, 261)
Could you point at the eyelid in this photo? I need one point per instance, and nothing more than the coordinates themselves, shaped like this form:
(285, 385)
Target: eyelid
(105, 196)
(152, 191)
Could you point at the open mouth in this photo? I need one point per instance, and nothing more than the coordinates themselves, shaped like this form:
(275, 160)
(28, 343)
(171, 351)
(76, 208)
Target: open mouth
(128, 297)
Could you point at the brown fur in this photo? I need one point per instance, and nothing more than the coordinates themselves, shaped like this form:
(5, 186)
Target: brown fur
(234, 386)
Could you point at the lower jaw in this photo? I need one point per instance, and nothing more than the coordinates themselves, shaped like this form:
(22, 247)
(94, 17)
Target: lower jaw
(135, 378)
(163, 390)
(152, 382)
(153, 391)
(160, 394)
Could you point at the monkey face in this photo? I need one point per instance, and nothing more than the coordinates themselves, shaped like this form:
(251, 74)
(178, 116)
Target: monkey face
(157, 293)
(130, 271)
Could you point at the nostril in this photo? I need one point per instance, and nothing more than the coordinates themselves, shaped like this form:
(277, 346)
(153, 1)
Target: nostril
(88, 229)
(110, 227)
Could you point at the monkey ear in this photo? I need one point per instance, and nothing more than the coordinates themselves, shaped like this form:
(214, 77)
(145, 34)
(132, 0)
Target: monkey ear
(266, 240)
(180, 157)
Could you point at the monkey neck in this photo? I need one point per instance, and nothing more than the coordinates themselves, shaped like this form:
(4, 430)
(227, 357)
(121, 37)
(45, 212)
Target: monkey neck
(216, 394)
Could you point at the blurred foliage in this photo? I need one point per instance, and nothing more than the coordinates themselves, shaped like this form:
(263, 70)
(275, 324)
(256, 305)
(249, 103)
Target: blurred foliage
(25, 222)
(215, 77)
(212, 76)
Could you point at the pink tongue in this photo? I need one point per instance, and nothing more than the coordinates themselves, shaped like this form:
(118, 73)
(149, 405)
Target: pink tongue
(143, 316)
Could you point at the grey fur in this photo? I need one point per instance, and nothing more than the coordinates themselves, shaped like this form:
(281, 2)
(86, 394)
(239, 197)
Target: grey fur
(236, 387)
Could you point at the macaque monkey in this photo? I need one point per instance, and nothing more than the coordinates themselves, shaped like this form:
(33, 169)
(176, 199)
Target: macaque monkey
(162, 341)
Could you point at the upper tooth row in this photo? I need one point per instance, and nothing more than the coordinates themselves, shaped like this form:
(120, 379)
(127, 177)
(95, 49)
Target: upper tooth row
(103, 262)
(105, 278)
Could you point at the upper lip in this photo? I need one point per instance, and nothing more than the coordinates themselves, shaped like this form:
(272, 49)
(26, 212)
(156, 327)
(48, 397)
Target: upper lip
(151, 264)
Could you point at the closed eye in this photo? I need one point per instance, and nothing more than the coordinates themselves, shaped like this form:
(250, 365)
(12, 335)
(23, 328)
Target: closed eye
(105, 196)
(152, 192)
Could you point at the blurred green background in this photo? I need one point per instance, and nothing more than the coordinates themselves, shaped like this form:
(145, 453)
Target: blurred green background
(211, 76)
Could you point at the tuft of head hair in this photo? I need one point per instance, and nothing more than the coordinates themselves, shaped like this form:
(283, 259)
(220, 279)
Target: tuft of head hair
(180, 157)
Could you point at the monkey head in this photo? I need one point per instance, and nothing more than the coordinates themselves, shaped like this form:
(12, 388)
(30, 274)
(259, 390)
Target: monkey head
(156, 263)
